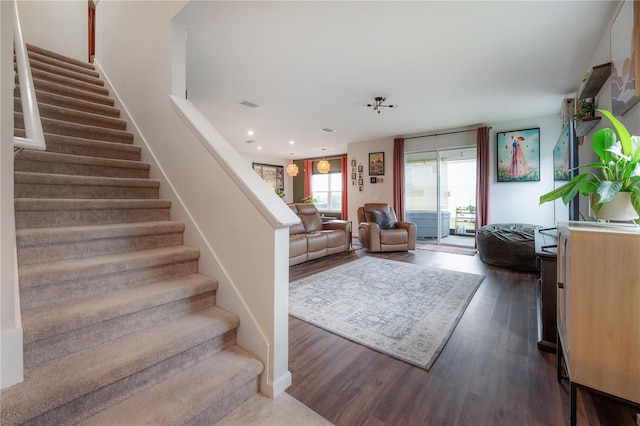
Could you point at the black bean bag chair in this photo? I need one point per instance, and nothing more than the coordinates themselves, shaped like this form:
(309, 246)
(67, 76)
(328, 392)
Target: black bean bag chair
(508, 245)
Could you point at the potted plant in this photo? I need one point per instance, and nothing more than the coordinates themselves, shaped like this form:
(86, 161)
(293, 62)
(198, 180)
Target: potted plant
(619, 168)
(586, 109)
(310, 199)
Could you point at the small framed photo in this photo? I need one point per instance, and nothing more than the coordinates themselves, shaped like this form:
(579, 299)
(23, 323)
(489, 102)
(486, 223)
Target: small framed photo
(361, 188)
(360, 182)
(353, 176)
(360, 168)
(353, 162)
(373, 180)
(376, 164)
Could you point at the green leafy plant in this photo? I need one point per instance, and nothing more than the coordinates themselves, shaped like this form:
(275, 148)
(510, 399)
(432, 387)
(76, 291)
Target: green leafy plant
(586, 109)
(279, 192)
(619, 168)
(309, 199)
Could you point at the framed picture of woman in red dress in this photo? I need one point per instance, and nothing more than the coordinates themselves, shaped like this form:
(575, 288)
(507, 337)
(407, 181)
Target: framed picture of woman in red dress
(518, 155)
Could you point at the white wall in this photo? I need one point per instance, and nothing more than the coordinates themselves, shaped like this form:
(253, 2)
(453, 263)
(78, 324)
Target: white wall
(61, 26)
(519, 201)
(372, 193)
(10, 324)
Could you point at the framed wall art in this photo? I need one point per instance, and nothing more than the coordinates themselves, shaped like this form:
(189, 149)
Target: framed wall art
(625, 61)
(518, 155)
(273, 175)
(376, 164)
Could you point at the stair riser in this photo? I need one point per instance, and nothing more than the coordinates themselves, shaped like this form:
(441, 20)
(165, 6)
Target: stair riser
(104, 397)
(87, 69)
(63, 72)
(83, 191)
(219, 409)
(74, 104)
(33, 254)
(41, 219)
(50, 167)
(46, 294)
(47, 86)
(58, 346)
(78, 130)
(73, 116)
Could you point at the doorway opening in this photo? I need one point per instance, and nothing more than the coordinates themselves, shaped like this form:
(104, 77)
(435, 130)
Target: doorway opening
(440, 195)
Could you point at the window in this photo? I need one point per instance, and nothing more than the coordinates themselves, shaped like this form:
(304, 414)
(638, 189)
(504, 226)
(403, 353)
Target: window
(327, 189)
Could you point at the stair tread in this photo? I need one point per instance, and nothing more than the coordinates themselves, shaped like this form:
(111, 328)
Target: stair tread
(59, 57)
(181, 397)
(51, 179)
(59, 204)
(73, 269)
(69, 82)
(60, 381)
(52, 87)
(81, 75)
(68, 234)
(88, 144)
(51, 125)
(47, 156)
(57, 112)
(44, 322)
(75, 104)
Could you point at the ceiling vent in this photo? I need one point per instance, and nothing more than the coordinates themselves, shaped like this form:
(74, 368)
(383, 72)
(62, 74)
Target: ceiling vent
(328, 130)
(250, 141)
(249, 104)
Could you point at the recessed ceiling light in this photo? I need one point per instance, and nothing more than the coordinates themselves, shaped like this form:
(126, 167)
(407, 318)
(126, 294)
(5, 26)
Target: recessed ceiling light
(328, 130)
(259, 148)
(291, 142)
(249, 104)
(250, 132)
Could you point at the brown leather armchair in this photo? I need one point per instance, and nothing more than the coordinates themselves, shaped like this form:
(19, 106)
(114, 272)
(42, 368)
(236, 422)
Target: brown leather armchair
(379, 229)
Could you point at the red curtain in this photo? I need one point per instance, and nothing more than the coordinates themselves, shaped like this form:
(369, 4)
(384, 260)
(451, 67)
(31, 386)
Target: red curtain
(308, 170)
(344, 168)
(398, 177)
(483, 172)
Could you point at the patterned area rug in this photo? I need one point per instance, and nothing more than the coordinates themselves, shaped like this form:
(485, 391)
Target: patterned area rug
(448, 249)
(401, 309)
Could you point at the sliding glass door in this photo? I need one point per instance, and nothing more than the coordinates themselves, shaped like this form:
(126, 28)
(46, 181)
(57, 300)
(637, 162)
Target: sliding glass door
(440, 195)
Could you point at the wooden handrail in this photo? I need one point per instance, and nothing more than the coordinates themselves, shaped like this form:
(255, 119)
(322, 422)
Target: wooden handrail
(32, 124)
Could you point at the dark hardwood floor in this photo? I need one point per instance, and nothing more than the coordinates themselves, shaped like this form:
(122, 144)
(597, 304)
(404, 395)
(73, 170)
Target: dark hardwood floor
(489, 373)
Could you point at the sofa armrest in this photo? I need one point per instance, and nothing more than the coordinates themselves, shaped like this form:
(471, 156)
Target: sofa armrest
(342, 225)
(412, 230)
(369, 235)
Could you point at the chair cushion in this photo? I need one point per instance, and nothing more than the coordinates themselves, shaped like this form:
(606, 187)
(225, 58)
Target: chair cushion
(394, 237)
(385, 218)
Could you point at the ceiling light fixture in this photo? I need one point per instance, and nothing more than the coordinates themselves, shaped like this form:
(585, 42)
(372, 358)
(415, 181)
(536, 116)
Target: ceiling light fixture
(323, 165)
(292, 168)
(379, 104)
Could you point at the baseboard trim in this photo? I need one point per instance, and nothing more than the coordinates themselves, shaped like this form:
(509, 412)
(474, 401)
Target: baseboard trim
(275, 388)
(11, 364)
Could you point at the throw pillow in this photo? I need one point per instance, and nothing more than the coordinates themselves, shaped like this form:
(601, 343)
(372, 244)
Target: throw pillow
(384, 219)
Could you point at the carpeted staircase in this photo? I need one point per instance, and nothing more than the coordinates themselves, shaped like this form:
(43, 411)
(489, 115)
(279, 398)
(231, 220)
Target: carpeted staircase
(119, 326)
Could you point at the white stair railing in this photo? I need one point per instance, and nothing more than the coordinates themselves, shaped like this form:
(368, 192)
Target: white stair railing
(32, 124)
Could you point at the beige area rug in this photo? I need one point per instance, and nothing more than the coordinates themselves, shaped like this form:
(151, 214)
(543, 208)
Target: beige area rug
(401, 309)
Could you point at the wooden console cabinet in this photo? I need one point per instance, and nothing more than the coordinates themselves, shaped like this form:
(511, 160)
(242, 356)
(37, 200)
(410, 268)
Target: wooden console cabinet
(599, 309)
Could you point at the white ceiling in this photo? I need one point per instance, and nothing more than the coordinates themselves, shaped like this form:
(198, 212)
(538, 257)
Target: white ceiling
(448, 65)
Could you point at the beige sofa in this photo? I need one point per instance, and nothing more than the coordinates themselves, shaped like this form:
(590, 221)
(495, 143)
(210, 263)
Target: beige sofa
(312, 238)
